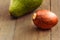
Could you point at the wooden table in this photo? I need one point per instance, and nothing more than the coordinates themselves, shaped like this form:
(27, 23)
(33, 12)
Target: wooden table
(23, 28)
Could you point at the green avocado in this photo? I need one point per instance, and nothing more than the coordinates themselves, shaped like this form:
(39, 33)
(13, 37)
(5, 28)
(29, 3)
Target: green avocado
(19, 8)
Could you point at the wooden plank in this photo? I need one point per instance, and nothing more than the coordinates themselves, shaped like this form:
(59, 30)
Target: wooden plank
(25, 29)
(55, 7)
(7, 25)
(45, 35)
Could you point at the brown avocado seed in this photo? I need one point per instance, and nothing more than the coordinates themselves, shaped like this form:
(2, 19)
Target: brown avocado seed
(44, 19)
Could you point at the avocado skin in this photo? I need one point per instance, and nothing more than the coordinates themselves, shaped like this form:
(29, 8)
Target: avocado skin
(19, 8)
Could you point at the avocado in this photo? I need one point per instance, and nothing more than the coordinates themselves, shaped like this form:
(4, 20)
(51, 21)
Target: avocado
(19, 8)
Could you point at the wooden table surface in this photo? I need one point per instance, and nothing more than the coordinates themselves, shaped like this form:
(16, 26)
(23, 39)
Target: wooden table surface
(23, 28)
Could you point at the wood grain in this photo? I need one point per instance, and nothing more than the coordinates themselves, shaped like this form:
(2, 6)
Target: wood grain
(26, 30)
(55, 7)
(7, 25)
(23, 28)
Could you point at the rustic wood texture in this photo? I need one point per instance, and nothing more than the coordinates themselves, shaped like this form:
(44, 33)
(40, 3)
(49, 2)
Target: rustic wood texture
(7, 25)
(55, 32)
(23, 28)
